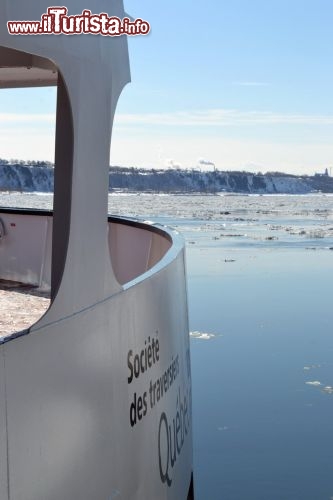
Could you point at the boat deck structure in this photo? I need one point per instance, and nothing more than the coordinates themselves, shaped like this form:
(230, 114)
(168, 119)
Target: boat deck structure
(21, 306)
(95, 391)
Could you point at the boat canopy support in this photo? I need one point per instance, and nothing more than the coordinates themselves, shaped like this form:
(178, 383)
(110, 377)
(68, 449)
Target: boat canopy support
(90, 73)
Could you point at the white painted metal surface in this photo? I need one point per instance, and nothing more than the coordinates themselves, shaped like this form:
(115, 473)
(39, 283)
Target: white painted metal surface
(25, 249)
(95, 398)
(3, 431)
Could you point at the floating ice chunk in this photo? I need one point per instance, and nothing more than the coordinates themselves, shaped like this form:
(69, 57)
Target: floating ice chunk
(317, 233)
(202, 335)
(310, 367)
(328, 389)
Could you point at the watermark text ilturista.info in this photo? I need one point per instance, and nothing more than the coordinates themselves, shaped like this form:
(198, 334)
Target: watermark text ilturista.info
(56, 21)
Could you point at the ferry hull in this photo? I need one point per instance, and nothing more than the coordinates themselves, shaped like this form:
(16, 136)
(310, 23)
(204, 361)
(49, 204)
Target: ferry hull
(97, 405)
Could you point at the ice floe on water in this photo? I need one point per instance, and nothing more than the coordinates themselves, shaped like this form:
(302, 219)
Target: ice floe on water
(220, 221)
(203, 335)
(310, 367)
(326, 389)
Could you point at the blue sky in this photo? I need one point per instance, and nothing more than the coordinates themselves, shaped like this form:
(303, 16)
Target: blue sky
(244, 84)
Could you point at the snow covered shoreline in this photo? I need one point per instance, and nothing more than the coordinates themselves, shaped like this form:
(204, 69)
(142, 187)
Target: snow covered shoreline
(39, 178)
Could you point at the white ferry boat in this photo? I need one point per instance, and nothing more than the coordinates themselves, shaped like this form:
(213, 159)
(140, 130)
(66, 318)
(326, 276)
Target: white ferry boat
(95, 396)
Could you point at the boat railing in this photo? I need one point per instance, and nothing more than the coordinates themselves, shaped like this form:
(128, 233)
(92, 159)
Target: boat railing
(26, 246)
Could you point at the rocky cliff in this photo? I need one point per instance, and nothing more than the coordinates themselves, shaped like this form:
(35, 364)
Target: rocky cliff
(38, 176)
(217, 181)
(21, 177)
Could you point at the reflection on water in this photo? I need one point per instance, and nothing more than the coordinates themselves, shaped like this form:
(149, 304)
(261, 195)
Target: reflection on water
(260, 290)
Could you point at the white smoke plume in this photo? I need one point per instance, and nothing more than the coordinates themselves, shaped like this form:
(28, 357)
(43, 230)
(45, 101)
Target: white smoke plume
(170, 163)
(206, 163)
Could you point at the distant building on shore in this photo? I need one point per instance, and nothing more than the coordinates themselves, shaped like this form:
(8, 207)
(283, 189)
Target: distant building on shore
(325, 174)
